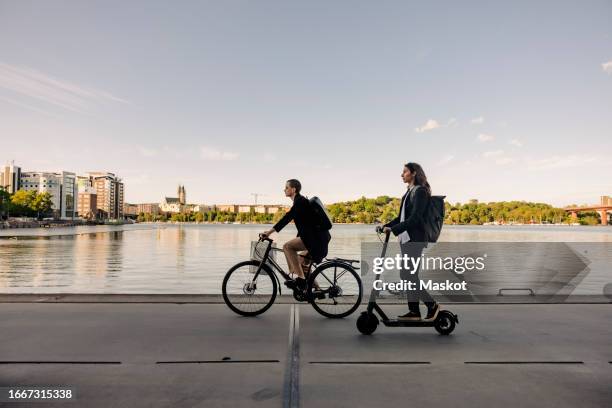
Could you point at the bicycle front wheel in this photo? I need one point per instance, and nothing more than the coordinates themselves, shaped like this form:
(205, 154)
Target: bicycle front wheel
(244, 294)
(335, 290)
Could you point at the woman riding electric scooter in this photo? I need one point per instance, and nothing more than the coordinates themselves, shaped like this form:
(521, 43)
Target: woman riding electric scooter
(410, 230)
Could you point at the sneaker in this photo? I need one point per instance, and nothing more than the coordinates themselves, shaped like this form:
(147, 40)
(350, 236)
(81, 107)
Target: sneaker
(290, 284)
(318, 294)
(433, 312)
(410, 316)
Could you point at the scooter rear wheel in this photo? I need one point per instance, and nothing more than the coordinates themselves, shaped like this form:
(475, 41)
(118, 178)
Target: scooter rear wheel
(445, 323)
(367, 323)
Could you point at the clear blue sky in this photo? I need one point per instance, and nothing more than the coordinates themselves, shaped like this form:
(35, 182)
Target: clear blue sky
(497, 100)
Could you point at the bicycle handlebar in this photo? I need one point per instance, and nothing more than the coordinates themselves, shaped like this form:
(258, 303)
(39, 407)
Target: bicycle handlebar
(379, 229)
(262, 237)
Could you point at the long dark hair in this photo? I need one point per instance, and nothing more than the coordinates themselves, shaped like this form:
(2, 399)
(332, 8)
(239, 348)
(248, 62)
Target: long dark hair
(420, 179)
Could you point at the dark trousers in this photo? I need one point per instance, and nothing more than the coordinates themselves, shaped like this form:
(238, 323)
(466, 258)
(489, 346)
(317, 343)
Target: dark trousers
(414, 250)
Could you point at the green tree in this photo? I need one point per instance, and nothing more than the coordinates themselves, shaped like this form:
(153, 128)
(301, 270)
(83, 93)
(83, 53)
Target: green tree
(389, 212)
(5, 202)
(41, 204)
(22, 201)
(589, 218)
(278, 215)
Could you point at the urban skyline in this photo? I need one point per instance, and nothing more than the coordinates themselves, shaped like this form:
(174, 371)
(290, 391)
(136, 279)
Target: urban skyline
(93, 195)
(7, 181)
(100, 195)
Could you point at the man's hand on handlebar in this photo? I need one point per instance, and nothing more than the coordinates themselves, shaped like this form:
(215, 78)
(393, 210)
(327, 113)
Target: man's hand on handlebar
(266, 234)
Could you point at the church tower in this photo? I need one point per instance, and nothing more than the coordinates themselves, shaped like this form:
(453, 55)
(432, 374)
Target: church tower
(181, 195)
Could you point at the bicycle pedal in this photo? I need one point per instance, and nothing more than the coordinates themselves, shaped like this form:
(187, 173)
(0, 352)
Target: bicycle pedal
(318, 295)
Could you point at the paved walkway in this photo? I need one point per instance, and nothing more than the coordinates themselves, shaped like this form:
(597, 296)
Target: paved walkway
(202, 355)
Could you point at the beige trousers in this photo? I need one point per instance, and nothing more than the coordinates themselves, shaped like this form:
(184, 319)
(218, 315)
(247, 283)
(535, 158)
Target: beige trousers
(291, 249)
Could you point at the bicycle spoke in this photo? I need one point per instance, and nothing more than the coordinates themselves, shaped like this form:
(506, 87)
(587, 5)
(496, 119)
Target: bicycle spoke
(326, 278)
(339, 276)
(246, 295)
(339, 296)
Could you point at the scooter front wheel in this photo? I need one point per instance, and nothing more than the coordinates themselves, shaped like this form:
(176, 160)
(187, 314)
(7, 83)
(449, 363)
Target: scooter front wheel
(445, 323)
(367, 323)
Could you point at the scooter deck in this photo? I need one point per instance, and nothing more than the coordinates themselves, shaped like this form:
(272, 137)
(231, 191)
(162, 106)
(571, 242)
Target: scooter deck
(409, 323)
(373, 307)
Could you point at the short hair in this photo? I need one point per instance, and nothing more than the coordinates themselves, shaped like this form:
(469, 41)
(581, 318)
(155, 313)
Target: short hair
(295, 184)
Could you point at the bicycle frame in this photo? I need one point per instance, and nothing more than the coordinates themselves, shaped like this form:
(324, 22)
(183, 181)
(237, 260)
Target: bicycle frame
(272, 263)
(278, 269)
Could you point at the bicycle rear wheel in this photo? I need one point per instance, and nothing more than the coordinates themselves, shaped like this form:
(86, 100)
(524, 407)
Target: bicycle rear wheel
(246, 296)
(335, 290)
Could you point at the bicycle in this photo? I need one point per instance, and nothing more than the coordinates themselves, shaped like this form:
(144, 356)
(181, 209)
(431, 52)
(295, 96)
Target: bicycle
(250, 288)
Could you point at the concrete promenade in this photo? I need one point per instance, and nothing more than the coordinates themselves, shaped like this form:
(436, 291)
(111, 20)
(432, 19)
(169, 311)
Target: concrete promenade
(185, 354)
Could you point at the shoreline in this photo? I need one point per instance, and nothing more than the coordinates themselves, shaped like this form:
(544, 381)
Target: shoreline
(19, 224)
(16, 233)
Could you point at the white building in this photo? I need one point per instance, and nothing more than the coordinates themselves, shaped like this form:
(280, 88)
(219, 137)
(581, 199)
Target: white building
(176, 204)
(170, 205)
(61, 186)
(10, 178)
(201, 208)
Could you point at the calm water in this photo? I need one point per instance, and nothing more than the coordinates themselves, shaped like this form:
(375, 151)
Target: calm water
(147, 258)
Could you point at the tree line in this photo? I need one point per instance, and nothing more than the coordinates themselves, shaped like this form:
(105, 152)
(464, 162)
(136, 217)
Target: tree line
(364, 210)
(383, 209)
(25, 204)
(506, 212)
(213, 216)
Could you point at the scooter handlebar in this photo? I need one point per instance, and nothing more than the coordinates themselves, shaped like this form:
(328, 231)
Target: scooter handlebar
(379, 229)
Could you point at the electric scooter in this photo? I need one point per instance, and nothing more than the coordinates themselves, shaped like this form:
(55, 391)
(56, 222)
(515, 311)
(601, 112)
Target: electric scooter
(367, 322)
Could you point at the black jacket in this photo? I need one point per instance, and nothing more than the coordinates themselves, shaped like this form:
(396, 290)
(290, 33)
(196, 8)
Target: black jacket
(314, 238)
(414, 211)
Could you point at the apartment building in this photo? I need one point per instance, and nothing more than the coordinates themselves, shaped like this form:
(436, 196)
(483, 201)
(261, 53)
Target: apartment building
(61, 186)
(109, 195)
(10, 177)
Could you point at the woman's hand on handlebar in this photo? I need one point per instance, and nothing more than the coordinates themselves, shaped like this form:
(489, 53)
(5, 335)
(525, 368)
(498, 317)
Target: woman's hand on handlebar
(383, 230)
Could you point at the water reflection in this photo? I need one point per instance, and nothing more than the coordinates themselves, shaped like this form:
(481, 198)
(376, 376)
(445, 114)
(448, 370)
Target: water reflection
(189, 258)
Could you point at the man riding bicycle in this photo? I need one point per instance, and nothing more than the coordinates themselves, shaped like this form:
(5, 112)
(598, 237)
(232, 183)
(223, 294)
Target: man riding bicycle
(310, 240)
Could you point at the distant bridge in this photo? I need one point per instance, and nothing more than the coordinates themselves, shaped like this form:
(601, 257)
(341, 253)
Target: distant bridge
(606, 205)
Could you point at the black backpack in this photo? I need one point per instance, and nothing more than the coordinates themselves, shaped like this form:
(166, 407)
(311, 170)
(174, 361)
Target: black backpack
(433, 218)
(323, 219)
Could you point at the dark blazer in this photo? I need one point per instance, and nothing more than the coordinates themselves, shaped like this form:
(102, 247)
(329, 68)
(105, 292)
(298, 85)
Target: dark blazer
(414, 210)
(315, 239)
